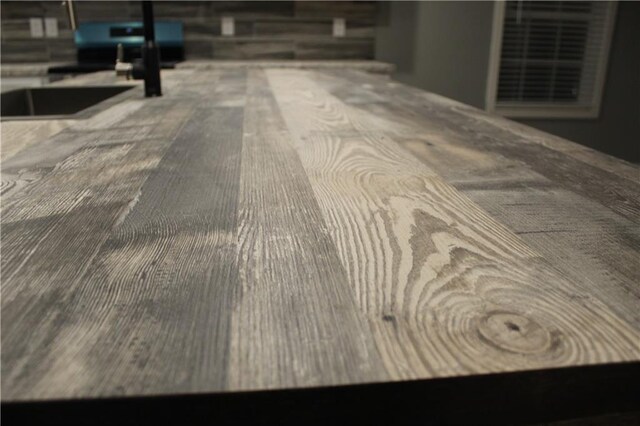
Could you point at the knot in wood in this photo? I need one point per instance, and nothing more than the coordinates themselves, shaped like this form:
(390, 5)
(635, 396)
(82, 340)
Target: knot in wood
(514, 332)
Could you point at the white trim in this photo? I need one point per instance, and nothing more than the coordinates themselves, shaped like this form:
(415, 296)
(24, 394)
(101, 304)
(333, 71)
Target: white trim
(494, 55)
(604, 63)
(546, 111)
(530, 110)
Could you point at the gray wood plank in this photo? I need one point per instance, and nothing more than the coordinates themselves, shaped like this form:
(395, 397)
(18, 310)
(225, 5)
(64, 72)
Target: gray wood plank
(17, 135)
(51, 233)
(293, 29)
(334, 49)
(253, 49)
(447, 289)
(260, 229)
(158, 296)
(296, 323)
(490, 134)
(36, 159)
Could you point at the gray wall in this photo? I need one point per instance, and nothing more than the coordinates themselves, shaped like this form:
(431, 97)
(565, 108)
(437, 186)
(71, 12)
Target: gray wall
(396, 38)
(444, 47)
(265, 29)
(439, 46)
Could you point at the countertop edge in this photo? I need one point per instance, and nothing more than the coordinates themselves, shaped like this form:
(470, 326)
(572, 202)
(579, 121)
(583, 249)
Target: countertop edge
(371, 66)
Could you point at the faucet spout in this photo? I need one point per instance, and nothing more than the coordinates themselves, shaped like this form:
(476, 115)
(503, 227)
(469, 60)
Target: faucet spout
(150, 54)
(150, 69)
(71, 14)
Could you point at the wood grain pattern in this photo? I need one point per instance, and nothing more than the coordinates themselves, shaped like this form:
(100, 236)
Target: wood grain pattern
(164, 258)
(283, 228)
(32, 157)
(295, 314)
(52, 232)
(490, 134)
(447, 289)
(575, 232)
(17, 135)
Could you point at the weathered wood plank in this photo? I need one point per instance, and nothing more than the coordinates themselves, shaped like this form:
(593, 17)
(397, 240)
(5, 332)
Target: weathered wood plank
(51, 233)
(30, 161)
(296, 323)
(17, 135)
(588, 242)
(489, 134)
(446, 288)
(315, 230)
(154, 315)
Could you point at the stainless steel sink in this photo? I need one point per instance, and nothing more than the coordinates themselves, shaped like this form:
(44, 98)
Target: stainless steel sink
(55, 101)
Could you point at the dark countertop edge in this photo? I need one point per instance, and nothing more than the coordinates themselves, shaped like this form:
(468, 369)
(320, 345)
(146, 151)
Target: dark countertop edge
(523, 397)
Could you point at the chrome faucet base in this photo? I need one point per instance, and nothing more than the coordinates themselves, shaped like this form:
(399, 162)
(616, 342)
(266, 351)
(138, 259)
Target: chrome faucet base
(124, 69)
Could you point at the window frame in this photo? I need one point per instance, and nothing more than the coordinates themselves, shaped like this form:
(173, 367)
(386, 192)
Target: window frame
(544, 110)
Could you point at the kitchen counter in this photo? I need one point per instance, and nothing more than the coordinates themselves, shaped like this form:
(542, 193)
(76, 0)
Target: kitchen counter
(20, 75)
(267, 228)
(374, 67)
(27, 69)
(40, 69)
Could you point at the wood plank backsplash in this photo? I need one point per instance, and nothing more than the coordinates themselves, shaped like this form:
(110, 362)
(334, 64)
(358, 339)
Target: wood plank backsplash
(263, 30)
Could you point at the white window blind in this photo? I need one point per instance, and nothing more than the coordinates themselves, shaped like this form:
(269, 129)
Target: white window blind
(552, 57)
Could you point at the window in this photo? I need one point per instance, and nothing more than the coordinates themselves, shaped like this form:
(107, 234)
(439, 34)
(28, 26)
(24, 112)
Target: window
(549, 58)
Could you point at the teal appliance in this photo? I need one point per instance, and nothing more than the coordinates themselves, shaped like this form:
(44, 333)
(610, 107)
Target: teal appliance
(97, 44)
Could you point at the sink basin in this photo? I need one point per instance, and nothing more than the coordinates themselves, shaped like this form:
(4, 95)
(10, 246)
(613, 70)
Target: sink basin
(47, 101)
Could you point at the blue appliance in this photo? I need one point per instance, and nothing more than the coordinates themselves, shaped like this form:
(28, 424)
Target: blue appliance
(97, 44)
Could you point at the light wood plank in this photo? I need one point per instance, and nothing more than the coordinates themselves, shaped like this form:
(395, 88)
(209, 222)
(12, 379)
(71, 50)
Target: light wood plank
(446, 288)
(17, 135)
(579, 236)
(296, 323)
(543, 154)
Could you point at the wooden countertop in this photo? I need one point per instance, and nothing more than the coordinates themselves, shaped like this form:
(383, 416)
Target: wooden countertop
(27, 69)
(374, 67)
(41, 69)
(279, 228)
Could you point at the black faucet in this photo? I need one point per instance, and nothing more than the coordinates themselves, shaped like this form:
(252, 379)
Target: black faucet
(149, 67)
(150, 53)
